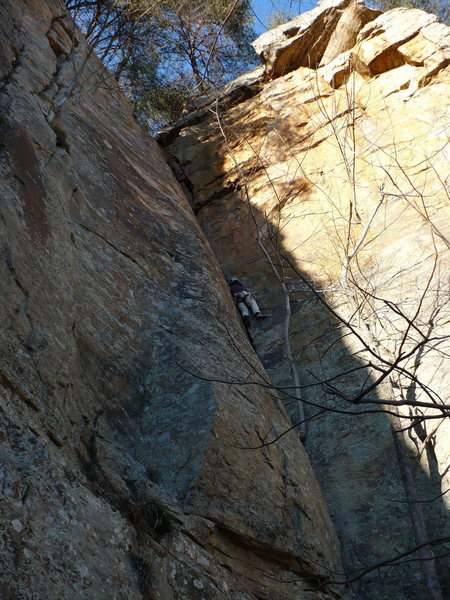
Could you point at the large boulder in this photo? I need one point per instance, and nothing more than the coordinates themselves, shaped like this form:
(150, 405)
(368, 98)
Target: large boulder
(316, 36)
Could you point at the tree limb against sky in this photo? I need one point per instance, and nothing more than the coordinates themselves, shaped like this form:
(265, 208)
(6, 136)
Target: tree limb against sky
(166, 54)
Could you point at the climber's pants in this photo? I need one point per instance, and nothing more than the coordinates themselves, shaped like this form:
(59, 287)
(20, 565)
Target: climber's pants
(245, 301)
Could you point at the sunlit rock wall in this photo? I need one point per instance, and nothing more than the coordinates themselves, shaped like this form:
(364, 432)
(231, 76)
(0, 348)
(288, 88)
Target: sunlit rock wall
(336, 156)
(127, 434)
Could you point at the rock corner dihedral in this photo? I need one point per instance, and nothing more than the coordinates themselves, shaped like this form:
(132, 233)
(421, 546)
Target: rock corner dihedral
(146, 451)
(334, 159)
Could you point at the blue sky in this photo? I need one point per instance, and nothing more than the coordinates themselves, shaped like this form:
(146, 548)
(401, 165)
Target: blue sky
(263, 8)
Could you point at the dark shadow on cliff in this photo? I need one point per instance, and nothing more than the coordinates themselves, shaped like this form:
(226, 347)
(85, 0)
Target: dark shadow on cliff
(350, 445)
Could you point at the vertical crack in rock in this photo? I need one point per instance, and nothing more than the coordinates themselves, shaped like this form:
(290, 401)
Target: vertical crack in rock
(351, 130)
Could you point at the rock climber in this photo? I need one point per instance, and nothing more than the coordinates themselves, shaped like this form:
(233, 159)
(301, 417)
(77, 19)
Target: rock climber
(244, 301)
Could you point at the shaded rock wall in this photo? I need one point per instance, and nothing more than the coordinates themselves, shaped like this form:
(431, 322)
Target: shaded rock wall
(342, 170)
(126, 464)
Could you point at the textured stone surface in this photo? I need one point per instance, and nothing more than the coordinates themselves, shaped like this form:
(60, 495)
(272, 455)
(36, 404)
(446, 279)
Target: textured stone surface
(125, 437)
(345, 34)
(351, 154)
(300, 42)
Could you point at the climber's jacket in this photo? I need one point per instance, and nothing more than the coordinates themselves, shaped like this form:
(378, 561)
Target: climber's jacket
(237, 286)
(239, 291)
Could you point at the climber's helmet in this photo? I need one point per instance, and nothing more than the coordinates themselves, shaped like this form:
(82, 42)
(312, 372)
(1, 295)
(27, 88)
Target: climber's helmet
(232, 280)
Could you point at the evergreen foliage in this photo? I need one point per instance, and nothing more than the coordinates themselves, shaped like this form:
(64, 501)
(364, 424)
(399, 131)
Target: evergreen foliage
(279, 17)
(441, 8)
(165, 54)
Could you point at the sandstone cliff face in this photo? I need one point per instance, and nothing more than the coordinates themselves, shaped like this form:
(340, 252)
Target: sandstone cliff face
(126, 465)
(335, 155)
